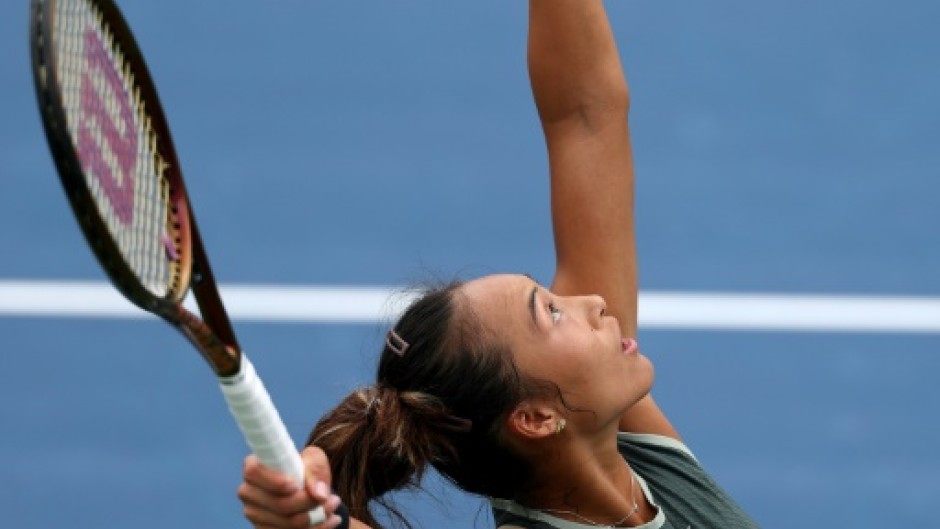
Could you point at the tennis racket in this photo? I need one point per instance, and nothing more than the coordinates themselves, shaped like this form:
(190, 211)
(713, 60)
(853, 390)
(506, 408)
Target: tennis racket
(115, 158)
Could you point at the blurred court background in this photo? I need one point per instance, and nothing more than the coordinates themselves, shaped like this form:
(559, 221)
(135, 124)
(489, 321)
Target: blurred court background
(785, 148)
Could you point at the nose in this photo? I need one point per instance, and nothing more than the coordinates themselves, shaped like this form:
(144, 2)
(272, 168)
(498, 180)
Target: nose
(595, 308)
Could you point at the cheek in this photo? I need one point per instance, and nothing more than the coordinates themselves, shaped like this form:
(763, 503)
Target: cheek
(587, 352)
(573, 359)
(555, 365)
(579, 364)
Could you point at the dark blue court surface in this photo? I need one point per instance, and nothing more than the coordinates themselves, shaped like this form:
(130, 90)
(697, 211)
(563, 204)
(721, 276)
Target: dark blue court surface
(786, 148)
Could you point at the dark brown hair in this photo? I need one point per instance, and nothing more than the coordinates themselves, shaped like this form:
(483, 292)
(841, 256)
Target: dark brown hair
(440, 403)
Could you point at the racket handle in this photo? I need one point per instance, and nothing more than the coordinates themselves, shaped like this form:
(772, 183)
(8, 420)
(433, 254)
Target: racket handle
(262, 427)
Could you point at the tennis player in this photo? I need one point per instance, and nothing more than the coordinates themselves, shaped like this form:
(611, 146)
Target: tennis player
(536, 398)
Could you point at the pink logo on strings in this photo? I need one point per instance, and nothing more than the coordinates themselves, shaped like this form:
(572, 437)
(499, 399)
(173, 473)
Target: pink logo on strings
(117, 175)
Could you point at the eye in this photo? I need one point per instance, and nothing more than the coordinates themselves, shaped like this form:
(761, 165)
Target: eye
(553, 310)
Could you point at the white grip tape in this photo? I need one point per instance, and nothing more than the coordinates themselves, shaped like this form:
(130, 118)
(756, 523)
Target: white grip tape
(262, 426)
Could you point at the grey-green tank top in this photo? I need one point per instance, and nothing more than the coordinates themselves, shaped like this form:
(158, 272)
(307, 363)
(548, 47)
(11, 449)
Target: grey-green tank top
(676, 485)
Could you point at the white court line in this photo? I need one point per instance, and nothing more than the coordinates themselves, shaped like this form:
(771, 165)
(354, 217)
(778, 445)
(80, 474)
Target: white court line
(355, 304)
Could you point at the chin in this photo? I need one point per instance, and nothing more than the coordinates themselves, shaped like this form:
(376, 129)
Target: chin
(643, 379)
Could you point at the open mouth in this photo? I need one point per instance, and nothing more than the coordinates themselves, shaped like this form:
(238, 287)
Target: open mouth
(629, 345)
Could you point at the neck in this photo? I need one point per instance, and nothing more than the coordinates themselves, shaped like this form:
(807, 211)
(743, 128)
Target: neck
(589, 478)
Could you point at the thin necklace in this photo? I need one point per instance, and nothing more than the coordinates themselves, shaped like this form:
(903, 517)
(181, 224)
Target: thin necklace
(633, 510)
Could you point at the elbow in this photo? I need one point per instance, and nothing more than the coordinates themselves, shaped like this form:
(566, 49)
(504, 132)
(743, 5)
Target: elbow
(607, 104)
(592, 107)
(613, 92)
(596, 115)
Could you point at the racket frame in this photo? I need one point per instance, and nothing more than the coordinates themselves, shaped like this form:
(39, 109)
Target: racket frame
(213, 336)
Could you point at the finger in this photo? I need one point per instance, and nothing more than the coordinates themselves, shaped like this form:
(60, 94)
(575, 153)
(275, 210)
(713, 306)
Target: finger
(332, 503)
(318, 490)
(280, 504)
(265, 478)
(317, 484)
(264, 519)
(261, 518)
(316, 464)
(331, 523)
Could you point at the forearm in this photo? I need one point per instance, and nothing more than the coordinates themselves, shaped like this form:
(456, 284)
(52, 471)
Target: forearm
(582, 96)
(574, 66)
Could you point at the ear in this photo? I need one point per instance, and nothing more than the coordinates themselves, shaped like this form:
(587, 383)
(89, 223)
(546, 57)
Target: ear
(534, 420)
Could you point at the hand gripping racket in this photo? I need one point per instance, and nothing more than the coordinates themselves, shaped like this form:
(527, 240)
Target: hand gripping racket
(115, 158)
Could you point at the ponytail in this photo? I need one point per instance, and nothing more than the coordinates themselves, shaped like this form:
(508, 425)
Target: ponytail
(379, 440)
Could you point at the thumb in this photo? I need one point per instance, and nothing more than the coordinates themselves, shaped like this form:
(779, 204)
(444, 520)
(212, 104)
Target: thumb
(317, 477)
(317, 484)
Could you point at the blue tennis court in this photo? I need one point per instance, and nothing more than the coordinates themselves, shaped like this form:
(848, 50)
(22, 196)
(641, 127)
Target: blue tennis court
(782, 150)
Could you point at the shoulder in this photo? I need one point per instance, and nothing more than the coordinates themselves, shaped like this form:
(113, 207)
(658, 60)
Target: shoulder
(657, 442)
(660, 459)
(685, 491)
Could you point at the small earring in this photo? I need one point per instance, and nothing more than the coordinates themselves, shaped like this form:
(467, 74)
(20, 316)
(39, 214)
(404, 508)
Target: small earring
(560, 425)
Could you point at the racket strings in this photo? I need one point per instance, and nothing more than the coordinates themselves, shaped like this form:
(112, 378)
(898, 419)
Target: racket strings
(119, 150)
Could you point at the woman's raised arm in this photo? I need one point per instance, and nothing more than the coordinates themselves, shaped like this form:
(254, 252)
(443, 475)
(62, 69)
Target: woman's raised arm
(583, 102)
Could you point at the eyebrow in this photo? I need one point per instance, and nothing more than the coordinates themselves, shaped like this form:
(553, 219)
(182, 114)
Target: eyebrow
(535, 322)
(532, 299)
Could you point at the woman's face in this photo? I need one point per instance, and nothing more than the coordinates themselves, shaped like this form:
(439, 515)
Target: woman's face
(569, 341)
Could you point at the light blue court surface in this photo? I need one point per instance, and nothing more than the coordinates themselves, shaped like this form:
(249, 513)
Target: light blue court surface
(788, 149)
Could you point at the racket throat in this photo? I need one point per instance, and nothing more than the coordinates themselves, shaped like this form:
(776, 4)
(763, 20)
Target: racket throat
(224, 359)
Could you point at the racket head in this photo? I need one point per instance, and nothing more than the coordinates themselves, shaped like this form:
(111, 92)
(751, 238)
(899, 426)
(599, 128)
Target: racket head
(112, 149)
